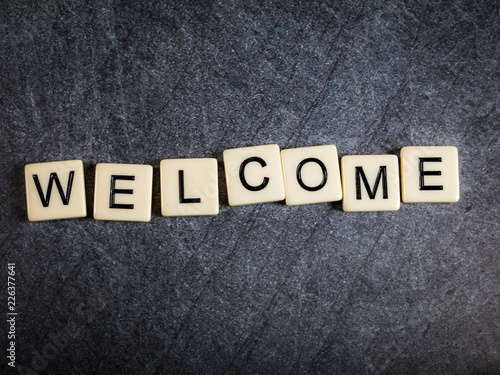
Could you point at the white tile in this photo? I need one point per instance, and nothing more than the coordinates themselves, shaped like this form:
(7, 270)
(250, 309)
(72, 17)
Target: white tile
(123, 192)
(254, 175)
(311, 175)
(55, 190)
(189, 187)
(370, 183)
(429, 174)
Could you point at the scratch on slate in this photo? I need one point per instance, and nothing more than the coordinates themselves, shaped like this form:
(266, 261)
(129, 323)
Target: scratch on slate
(263, 320)
(349, 300)
(4, 241)
(211, 278)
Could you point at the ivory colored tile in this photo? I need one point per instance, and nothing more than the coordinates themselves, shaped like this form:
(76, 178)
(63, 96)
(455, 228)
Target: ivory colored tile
(189, 187)
(254, 175)
(429, 174)
(123, 192)
(311, 175)
(370, 183)
(55, 190)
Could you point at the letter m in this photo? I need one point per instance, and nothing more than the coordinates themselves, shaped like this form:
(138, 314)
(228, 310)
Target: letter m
(53, 178)
(382, 175)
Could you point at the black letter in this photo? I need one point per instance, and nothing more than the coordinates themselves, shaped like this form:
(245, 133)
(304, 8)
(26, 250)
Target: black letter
(53, 177)
(382, 173)
(428, 173)
(113, 191)
(242, 174)
(181, 191)
(299, 176)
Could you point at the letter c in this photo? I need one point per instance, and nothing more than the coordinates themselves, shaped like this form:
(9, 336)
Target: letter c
(242, 174)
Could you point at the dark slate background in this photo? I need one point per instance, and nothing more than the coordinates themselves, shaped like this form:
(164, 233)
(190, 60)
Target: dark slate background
(258, 289)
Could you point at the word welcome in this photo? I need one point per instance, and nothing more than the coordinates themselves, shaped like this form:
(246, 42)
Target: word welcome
(256, 174)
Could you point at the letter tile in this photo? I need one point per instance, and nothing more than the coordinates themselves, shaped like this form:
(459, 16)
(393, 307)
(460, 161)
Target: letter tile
(123, 192)
(55, 190)
(429, 174)
(189, 187)
(311, 174)
(254, 175)
(370, 183)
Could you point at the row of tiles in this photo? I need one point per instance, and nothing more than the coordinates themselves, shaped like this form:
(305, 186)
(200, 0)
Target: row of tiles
(257, 174)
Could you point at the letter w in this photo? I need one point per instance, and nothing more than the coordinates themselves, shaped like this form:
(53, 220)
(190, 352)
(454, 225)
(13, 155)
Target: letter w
(53, 177)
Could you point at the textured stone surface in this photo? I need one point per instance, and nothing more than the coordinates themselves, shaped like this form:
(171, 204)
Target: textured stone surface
(262, 288)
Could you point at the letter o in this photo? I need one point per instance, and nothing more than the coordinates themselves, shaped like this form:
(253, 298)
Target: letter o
(299, 174)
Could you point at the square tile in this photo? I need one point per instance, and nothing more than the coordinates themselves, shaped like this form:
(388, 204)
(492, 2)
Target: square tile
(429, 174)
(55, 190)
(123, 192)
(311, 175)
(254, 175)
(370, 183)
(189, 187)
